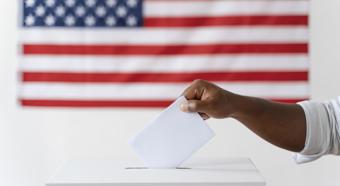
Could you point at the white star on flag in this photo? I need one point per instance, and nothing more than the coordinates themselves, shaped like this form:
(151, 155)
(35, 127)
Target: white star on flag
(50, 20)
(60, 11)
(132, 3)
(90, 3)
(29, 20)
(90, 20)
(111, 3)
(100, 11)
(40, 11)
(80, 11)
(131, 21)
(70, 3)
(70, 20)
(50, 3)
(29, 3)
(121, 11)
(110, 21)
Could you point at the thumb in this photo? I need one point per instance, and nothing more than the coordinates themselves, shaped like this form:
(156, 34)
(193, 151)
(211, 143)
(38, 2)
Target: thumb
(193, 106)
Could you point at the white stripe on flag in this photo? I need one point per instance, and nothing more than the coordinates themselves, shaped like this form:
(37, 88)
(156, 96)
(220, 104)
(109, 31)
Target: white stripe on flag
(169, 8)
(153, 91)
(205, 63)
(286, 34)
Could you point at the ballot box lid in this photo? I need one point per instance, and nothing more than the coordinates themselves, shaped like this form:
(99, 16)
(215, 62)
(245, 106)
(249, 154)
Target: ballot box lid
(207, 171)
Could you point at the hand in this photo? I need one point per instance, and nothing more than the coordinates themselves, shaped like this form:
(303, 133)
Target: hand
(208, 100)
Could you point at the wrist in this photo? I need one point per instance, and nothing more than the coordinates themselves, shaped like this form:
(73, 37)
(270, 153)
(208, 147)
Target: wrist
(243, 107)
(232, 104)
(234, 108)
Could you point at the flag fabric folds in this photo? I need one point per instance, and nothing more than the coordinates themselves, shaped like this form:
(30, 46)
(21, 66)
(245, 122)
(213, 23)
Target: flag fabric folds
(143, 53)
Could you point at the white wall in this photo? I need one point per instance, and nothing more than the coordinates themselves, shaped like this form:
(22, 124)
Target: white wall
(34, 142)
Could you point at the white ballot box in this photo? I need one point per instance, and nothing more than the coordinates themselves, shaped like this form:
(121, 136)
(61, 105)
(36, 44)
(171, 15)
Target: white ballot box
(200, 172)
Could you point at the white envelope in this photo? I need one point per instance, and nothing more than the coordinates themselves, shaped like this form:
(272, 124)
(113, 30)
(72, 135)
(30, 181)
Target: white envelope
(171, 138)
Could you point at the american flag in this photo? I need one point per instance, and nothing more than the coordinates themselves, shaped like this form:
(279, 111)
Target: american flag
(143, 53)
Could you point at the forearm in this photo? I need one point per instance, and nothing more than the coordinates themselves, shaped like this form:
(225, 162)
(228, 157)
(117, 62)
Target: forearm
(283, 125)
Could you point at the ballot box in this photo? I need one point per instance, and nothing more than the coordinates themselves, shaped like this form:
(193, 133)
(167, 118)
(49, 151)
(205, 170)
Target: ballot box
(200, 172)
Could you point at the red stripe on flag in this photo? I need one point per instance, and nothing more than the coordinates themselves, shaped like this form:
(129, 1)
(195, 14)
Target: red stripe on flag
(250, 48)
(95, 103)
(254, 20)
(115, 103)
(162, 77)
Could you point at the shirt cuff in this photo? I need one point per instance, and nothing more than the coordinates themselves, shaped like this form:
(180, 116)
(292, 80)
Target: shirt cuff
(317, 131)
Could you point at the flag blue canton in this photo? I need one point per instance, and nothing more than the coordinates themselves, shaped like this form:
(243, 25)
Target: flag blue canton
(82, 13)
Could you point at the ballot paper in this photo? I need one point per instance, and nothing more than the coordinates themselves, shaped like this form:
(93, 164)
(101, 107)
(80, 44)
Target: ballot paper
(171, 138)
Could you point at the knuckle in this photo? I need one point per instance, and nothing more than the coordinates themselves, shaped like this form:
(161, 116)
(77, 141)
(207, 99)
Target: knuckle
(199, 82)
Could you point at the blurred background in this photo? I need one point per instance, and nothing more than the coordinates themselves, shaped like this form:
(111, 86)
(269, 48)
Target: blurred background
(35, 141)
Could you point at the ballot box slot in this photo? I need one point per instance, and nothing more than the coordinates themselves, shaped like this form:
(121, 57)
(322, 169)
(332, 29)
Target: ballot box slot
(141, 168)
(183, 168)
(136, 167)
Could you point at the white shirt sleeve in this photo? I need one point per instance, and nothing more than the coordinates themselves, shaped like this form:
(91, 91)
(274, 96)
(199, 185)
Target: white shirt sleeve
(323, 130)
